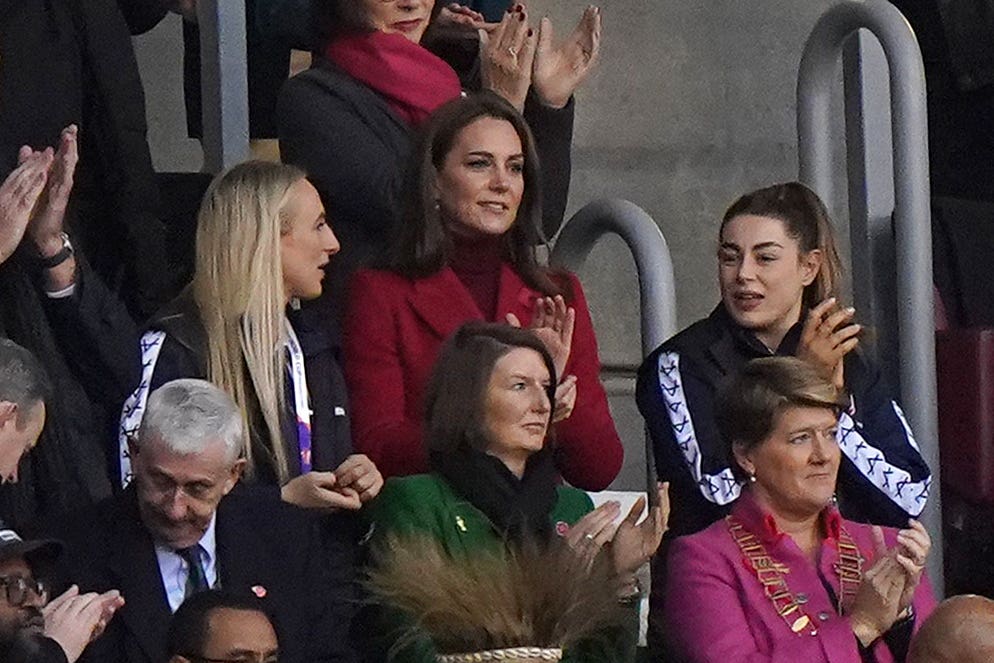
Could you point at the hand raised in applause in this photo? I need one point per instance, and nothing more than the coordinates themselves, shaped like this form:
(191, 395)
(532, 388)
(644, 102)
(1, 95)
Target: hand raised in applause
(592, 532)
(455, 15)
(878, 600)
(559, 69)
(19, 195)
(635, 543)
(828, 335)
(74, 620)
(49, 223)
(913, 546)
(553, 322)
(507, 55)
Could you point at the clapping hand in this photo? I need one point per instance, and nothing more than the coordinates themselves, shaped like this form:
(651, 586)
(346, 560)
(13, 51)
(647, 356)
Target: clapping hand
(74, 620)
(559, 69)
(455, 15)
(507, 55)
(553, 322)
(47, 226)
(19, 194)
(592, 532)
(828, 335)
(913, 546)
(888, 587)
(635, 543)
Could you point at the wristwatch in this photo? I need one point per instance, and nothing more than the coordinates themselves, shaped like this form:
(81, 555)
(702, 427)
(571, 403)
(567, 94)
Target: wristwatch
(57, 259)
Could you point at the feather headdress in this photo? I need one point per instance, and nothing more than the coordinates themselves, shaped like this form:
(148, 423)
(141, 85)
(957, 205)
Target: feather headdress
(544, 597)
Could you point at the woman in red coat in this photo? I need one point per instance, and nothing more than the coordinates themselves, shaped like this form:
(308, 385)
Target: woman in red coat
(465, 250)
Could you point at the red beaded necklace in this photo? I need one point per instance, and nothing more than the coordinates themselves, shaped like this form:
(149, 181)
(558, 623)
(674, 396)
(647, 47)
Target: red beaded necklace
(771, 575)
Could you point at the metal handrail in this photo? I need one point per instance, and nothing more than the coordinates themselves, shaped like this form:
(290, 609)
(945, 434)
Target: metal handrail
(657, 286)
(653, 265)
(911, 219)
(223, 83)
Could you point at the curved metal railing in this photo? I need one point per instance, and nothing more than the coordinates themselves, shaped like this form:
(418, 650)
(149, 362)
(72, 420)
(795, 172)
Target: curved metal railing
(657, 286)
(906, 234)
(653, 264)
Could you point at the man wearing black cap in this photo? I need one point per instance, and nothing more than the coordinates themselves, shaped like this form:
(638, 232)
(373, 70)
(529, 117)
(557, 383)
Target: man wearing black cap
(33, 630)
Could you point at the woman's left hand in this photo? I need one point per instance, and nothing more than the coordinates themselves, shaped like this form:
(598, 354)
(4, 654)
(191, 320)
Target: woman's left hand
(635, 544)
(360, 474)
(561, 68)
(914, 544)
(565, 399)
(507, 56)
(455, 15)
(553, 323)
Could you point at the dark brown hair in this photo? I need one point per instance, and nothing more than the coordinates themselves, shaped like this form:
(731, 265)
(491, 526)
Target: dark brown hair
(806, 220)
(421, 243)
(455, 396)
(748, 404)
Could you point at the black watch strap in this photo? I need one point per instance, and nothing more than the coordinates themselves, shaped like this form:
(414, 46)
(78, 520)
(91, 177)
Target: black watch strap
(57, 259)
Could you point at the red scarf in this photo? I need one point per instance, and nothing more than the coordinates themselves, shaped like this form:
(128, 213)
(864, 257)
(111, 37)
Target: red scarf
(413, 80)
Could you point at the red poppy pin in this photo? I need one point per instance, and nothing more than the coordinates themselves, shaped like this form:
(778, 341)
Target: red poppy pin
(259, 591)
(562, 529)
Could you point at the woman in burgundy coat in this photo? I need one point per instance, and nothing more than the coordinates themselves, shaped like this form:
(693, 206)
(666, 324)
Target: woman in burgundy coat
(465, 250)
(784, 577)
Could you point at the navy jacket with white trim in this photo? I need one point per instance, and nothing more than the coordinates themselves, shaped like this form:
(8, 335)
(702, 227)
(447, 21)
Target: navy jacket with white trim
(882, 479)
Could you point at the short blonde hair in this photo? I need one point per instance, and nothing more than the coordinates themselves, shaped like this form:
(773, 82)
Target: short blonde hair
(748, 404)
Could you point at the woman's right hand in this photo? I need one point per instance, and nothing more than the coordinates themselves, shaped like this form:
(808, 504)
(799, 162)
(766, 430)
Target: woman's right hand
(878, 600)
(827, 337)
(589, 534)
(507, 55)
(553, 322)
(320, 491)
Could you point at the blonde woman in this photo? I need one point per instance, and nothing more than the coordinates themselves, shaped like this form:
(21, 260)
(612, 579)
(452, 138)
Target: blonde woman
(262, 244)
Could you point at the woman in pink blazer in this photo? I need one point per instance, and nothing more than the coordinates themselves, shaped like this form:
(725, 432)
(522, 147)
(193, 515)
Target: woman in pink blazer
(466, 251)
(784, 578)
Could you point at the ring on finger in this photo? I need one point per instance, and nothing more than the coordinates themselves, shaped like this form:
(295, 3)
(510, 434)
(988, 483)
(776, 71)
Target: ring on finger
(513, 52)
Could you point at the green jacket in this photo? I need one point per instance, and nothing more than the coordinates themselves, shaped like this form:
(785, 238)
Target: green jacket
(426, 504)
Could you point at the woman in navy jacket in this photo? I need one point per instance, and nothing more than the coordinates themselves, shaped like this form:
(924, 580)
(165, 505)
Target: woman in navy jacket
(779, 274)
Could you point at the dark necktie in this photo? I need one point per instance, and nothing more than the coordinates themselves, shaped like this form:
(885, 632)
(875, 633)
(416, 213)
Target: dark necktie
(196, 580)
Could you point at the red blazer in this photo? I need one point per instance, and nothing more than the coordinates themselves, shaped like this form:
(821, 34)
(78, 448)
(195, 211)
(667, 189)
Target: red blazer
(394, 328)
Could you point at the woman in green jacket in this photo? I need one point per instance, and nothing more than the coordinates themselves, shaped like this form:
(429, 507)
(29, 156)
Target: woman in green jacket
(494, 485)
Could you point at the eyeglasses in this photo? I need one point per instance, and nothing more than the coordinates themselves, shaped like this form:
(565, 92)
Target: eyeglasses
(17, 589)
(244, 658)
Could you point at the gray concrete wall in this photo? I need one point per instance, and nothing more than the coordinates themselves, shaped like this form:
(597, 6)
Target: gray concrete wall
(693, 104)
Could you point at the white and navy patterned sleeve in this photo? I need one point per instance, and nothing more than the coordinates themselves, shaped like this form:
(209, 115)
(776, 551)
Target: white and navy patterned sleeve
(678, 408)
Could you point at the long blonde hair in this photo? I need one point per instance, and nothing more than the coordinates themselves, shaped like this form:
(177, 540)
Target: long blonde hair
(239, 291)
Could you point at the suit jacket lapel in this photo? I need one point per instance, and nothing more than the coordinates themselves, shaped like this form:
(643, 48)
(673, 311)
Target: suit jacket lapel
(240, 566)
(443, 303)
(146, 613)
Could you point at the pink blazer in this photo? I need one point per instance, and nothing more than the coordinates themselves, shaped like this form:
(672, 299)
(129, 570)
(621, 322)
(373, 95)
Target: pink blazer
(716, 611)
(394, 328)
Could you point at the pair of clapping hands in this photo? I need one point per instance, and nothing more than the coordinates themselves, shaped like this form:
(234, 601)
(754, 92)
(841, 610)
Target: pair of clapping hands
(74, 620)
(34, 196)
(352, 484)
(631, 543)
(888, 587)
(514, 56)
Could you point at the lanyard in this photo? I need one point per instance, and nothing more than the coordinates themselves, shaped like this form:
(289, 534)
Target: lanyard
(301, 399)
